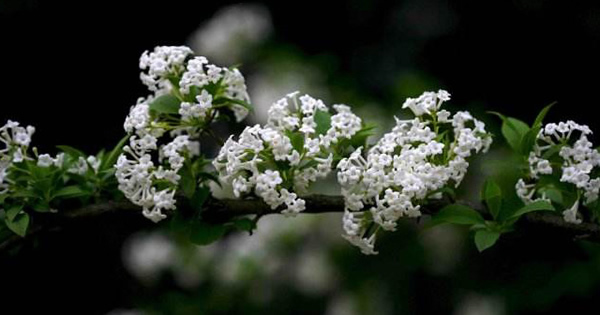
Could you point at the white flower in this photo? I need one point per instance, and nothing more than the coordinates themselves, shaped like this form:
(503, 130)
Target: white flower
(251, 164)
(577, 162)
(406, 166)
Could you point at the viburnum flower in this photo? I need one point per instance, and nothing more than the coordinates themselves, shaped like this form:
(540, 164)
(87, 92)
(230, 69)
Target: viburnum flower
(408, 165)
(187, 95)
(562, 150)
(297, 146)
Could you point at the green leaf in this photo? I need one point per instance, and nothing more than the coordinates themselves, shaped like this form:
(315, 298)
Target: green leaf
(188, 182)
(246, 105)
(244, 225)
(200, 197)
(540, 117)
(492, 195)
(457, 214)
(485, 239)
(19, 224)
(13, 211)
(72, 191)
(539, 205)
(297, 140)
(166, 104)
(113, 156)
(203, 233)
(360, 138)
(513, 131)
(323, 121)
(71, 151)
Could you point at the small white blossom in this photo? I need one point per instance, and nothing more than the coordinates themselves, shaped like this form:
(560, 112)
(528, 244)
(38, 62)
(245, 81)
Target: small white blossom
(578, 160)
(405, 167)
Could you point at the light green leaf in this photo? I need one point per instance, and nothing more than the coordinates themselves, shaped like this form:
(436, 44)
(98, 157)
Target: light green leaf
(485, 239)
(166, 104)
(540, 205)
(19, 224)
(203, 233)
(323, 121)
(457, 214)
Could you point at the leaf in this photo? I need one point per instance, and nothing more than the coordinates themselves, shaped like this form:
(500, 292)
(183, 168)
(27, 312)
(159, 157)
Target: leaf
(540, 117)
(323, 121)
(246, 105)
(70, 192)
(528, 141)
(113, 156)
(492, 195)
(513, 131)
(19, 224)
(203, 233)
(188, 182)
(166, 104)
(71, 151)
(540, 205)
(244, 225)
(457, 214)
(13, 211)
(200, 197)
(360, 138)
(297, 140)
(485, 239)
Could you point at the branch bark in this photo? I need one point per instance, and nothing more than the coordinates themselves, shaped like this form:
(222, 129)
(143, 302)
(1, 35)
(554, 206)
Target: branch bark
(224, 209)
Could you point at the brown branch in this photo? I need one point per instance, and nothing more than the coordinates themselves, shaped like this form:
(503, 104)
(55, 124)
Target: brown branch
(225, 209)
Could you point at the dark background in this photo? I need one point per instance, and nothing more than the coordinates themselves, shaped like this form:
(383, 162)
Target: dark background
(70, 69)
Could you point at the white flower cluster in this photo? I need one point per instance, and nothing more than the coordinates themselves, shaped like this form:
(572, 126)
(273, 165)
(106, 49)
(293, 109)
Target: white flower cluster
(139, 178)
(566, 147)
(16, 140)
(203, 90)
(411, 163)
(292, 150)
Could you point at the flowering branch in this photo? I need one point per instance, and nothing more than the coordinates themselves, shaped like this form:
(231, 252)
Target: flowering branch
(223, 210)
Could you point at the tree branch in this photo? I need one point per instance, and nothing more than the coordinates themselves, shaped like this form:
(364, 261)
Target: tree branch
(217, 210)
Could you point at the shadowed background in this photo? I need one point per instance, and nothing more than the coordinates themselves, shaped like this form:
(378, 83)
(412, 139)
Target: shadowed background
(70, 68)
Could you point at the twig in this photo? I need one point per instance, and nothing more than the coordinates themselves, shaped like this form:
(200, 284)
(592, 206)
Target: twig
(222, 210)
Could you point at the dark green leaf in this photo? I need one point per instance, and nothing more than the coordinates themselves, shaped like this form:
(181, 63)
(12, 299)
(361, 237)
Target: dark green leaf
(244, 225)
(166, 104)
(203, 233)
(188, 181)
(540, 205)
(200, 197)
(70, 192)
(492, 195)
(485, 239)
(323, 121)
(19, 224)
